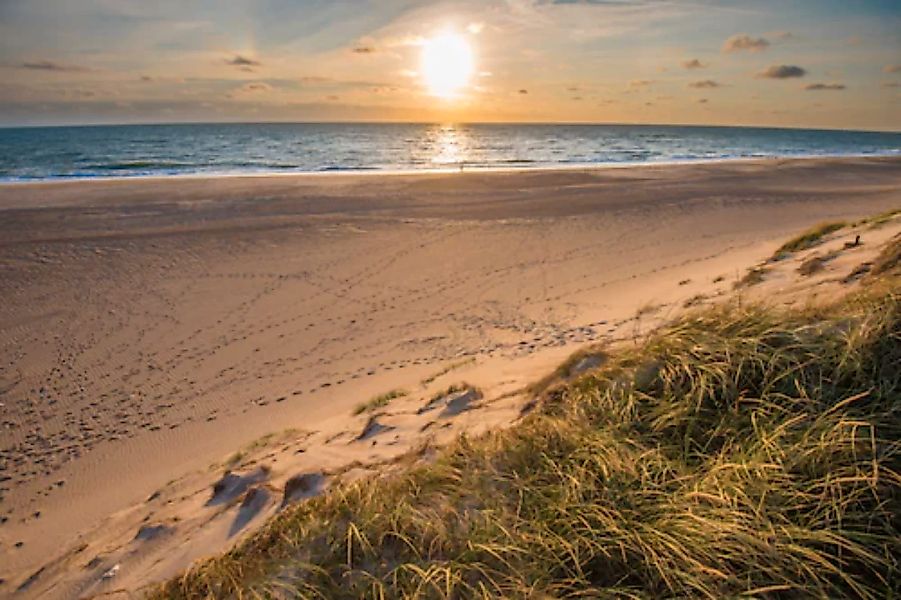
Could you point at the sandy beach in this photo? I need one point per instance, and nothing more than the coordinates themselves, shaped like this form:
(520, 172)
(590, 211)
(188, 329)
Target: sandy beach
(157, 333)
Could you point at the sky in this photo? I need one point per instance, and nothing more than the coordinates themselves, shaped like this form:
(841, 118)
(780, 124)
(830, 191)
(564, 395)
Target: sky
(792, 63)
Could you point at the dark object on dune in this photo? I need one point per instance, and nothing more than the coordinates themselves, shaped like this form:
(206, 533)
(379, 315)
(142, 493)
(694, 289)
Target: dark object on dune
(853, 244)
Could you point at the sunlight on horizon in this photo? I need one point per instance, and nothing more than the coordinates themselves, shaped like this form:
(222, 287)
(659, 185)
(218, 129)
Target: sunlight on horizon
(447, 64)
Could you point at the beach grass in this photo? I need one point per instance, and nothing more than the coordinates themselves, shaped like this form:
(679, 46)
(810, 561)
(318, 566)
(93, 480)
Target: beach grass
(889, 258)
(589, 357)
(881, 219)
(448, 369)
(817, 263)
(453, 388)
(261, 442)
(739, 451)
(809, 238)
(379, 401)
(754, 276)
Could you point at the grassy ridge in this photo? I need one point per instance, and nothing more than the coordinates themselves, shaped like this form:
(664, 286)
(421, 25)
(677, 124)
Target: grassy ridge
(809, 238)
(738, 452)
(889, 259)
(379, 401)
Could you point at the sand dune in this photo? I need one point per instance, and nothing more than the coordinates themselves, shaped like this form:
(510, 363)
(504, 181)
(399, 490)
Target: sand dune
(183, 357)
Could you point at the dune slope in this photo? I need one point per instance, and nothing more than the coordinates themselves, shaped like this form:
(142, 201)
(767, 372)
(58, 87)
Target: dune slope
(739, 450)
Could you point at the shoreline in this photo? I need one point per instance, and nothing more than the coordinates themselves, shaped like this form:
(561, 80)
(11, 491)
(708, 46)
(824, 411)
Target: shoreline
(376, 171)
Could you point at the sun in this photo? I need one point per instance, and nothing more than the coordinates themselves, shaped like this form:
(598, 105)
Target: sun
(447, 64)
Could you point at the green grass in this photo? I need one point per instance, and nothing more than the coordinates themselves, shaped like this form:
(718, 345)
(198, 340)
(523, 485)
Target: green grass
(379, 401)
(740, 451)
(808, 239)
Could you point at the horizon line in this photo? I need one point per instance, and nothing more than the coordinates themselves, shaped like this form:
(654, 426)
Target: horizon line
(446, 123)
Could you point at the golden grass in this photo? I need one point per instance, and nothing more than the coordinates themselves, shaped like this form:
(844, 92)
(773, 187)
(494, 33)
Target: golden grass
(453, 388)
(740, 451)
(258, 444)
(447, 370)
(694, 300)
(817, 263)
(754, 276)
(889, 258)
(568, 368)
(809, 238)
(880, 219)
(379, 401)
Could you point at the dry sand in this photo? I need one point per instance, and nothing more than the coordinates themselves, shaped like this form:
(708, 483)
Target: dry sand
(153, 331)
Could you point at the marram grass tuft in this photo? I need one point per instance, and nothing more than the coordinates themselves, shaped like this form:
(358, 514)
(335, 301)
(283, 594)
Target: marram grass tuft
(740, 452)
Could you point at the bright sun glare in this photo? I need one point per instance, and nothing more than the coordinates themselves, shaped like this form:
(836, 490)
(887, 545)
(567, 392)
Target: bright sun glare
(447, 64)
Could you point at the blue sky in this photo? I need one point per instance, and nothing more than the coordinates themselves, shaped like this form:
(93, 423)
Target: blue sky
(811, 63)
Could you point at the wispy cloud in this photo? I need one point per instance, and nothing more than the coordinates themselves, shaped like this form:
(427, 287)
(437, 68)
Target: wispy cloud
(48, 65)
(316, 80)
(782, 35)
(743, 42)
(782, 72)
(824, 86)
(243, 61)
(705, 84)
(257, 86)
(249, 89)
(368, 54)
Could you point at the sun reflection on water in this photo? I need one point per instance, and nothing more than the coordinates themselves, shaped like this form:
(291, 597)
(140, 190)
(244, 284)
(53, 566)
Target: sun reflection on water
(450, 146)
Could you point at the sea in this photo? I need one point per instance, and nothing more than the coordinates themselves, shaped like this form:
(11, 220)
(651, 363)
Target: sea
(81, 152)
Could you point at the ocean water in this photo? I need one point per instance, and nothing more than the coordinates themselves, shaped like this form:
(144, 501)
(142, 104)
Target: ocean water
(36, 153)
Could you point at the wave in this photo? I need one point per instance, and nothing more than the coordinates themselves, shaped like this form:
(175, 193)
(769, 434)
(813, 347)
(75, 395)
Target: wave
(331, 168)
(132, 165)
